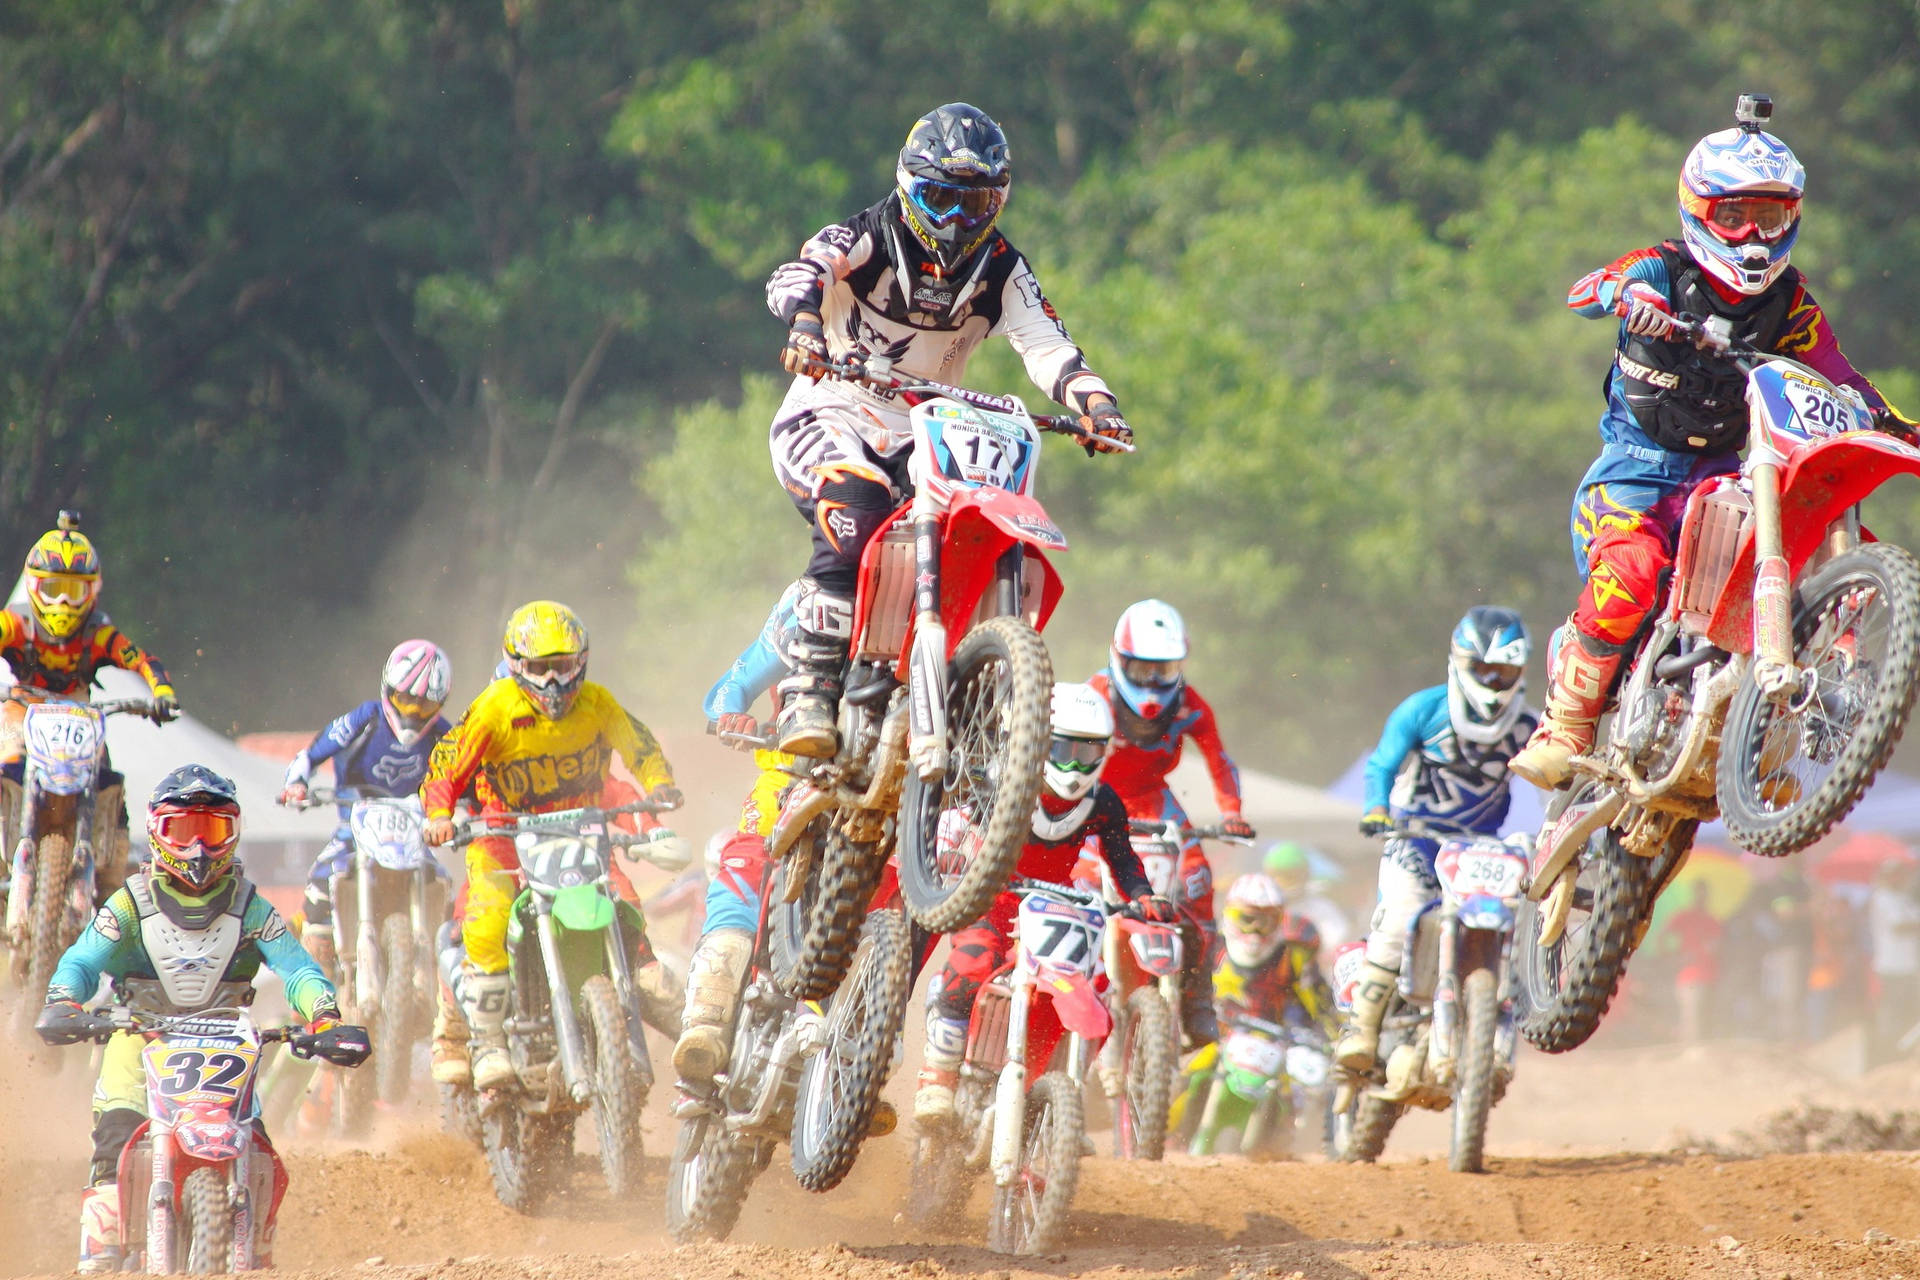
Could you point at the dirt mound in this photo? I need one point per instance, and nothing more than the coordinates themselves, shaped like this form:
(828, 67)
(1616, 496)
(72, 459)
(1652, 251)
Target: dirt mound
(1808, 1128)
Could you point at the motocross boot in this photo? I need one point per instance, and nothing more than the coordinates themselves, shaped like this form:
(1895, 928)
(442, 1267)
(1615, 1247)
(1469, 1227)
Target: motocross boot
(450, 1035)
(1359, 1047)
(99, 1230)
(714, 975)
(483, 998)
(660, 996)
(318, 940)
(1577, 685)
(939, 1071)
(817, 654)
(1198, 1025)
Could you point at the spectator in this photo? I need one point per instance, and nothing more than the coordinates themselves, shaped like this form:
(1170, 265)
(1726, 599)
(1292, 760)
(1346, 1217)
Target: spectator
(1789, 958)
(1893, 925)
(1695, 935)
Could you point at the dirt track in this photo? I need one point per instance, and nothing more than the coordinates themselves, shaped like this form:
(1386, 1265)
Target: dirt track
(420, 1202)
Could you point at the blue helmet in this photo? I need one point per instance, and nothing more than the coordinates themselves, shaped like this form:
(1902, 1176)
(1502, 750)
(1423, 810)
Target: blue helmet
(1740, 193)
(1487, 673)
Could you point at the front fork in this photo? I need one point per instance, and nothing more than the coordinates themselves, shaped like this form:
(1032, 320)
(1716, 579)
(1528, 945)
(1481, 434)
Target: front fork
(1773, 668)
(366, 948)
(927, 665)
(1010, 1097)
(566, 1022)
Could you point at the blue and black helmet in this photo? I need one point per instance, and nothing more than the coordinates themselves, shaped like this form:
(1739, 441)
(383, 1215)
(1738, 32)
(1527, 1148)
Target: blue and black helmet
(1487, 672)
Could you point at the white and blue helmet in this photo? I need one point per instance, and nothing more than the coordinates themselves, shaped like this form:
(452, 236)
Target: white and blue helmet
(1740, 193)
(1487, 673)
(1148, 657)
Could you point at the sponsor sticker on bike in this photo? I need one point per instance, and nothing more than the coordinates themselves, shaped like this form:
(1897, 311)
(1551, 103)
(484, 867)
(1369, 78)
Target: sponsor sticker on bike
(1261, 1055)
(1060, 935)
(1467, 869)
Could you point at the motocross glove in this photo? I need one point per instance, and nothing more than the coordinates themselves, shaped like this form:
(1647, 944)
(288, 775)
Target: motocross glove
(669, 796)
(64, 1022)
(1376, 822)
(1236, 827)
(342, 1044)
(1646, 310)
(438, 831)
(806, 349)
(1155, 908)
(165, 708)
(742, 725)
(1886, 418)
(294, 793)
(1105, 421)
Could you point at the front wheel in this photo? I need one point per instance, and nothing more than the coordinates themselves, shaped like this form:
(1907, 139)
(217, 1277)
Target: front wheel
(840, 1085)
(526, 1154)
(1790, 769)
(618, 1090)
(52, 870)
(393, 1021)
(707, 1181)
(814, 938)
(961, 834)
(1146, 1075)
(208, 1224)
(1361, 1131)
(1473, 1098)
(1030, 1212)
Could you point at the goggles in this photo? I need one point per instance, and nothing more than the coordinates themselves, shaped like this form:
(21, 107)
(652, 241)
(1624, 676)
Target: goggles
(181, 828)
(1077, 755)
(1154, 675)
(1498, 676)
(412, 708)
(62, 588)
(944, 202)
(1255, 920)
(546, 672)
(1736, 218)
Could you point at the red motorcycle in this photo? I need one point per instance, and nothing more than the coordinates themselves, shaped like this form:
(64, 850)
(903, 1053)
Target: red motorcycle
(1768, 691)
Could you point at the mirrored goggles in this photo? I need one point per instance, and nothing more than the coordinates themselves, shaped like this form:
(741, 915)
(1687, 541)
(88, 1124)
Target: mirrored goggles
(542, 672)
(1077, 755)
(1735, 218)
(1154, 675)
(62, 588)
(1498, 676)
(410, 707)
(213, 828)
(943, 202)
(1255, 920)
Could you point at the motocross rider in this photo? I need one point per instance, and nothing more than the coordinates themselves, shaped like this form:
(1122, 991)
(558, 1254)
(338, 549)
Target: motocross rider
(379, 748)
(920, 279)
(542, 740)
(154, 938)
(1156, 710)
(1443, 759)
(56, 644)
(1076, 808)
(1676, 414)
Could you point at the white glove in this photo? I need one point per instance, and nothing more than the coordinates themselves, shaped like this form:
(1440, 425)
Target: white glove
(1648, 314)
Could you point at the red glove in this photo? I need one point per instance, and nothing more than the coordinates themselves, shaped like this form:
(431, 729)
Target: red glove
(294, 793)
(1154, 908)
(1236, 826)
(740, 723)
(1646, 310)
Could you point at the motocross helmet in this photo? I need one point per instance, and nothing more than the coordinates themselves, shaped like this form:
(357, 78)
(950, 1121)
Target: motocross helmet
(1254, 923)
(1082, 725)
(1740, 192)
(1148, 657)
(63, 580)
(193, 825)
(953, 177)
(1487, 673)
(546, 649)
(1289, 866)
(413, 687)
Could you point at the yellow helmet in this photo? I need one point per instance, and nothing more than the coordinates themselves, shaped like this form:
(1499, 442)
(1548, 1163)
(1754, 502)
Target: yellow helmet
(63, 579)
(546, 650)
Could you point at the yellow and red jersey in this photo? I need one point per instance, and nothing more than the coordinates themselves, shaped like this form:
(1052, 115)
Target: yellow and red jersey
(68, 666)
(521, 762)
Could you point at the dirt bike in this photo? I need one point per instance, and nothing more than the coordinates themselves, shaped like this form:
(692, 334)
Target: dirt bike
(1769, 690)
(799, 1073)
(396, 898)
(1448, 1037)
(573, 1010)
(1024, 1125)
(67, 829)
(200, 1185)
(1252, 1085)
(943, 721)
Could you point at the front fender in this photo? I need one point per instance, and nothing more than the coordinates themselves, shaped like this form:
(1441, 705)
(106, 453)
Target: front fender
(582, 908)
(1078, 1005)
(1818, 486)
(981, 525)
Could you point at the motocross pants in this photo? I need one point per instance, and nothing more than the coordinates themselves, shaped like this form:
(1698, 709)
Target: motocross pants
(1407, 884)
(841, 487)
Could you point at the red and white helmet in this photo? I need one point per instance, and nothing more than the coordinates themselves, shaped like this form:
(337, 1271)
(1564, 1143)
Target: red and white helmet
(1148, 657)
(1253, 924)
(413, 687)
(1082, 724)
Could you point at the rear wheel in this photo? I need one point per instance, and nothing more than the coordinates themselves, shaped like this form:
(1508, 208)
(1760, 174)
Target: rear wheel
(393, 1021)
(209, 1223)
(814, 938)
(1146, 1074)
(1790, 770)
(707, 1181)
(1030, 1212)
(840, 1085)
(618, 1091)
(960, 834)
(1473, 1099)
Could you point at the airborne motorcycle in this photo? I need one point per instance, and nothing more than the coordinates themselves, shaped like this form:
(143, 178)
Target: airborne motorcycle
(943, 722)
(1769, 690)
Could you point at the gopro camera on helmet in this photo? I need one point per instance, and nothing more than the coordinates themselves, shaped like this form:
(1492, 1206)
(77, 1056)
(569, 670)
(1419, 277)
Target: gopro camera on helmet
(1753, 112)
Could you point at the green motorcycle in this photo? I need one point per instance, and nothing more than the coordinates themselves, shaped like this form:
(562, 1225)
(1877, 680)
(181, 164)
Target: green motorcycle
(1251, 1085)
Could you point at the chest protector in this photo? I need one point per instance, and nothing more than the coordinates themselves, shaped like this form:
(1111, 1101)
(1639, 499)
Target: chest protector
(1693, 401)
(192, 950)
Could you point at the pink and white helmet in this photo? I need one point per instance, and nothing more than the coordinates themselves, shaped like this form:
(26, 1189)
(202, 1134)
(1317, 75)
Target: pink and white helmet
(1149, 657)
(413, 686)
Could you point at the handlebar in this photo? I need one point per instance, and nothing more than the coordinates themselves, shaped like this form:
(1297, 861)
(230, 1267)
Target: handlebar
(99, 1027)
(877, 373)
(106, 707)
(483, 825)
(319, 797)
(1184, 833)
(755, 741)
(1085, 897)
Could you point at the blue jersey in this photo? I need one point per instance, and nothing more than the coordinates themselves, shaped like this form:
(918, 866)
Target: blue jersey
(366, 756)
(759, 666)
(1423, 769)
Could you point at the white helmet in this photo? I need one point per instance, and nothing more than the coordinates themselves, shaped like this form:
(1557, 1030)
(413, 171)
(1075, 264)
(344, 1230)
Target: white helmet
(1148, 656)
(1082, 732)
(413, 686)
(1253, 923)
(1487, 673)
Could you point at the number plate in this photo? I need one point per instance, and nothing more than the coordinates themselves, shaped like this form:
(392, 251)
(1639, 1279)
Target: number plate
(1307, 1065)
(184, 1076)
(392, 830)
(1060, 935)
(1156, 947)
(61, 733)
(1346, 972)
(1480, 867)
(1255, 1053)
(979, 449)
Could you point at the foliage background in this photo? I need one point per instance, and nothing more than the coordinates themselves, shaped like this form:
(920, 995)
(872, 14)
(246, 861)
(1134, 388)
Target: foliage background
(350, 319)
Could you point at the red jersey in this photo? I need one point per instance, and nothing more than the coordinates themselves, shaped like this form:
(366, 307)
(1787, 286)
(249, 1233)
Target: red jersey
(1145, 752)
